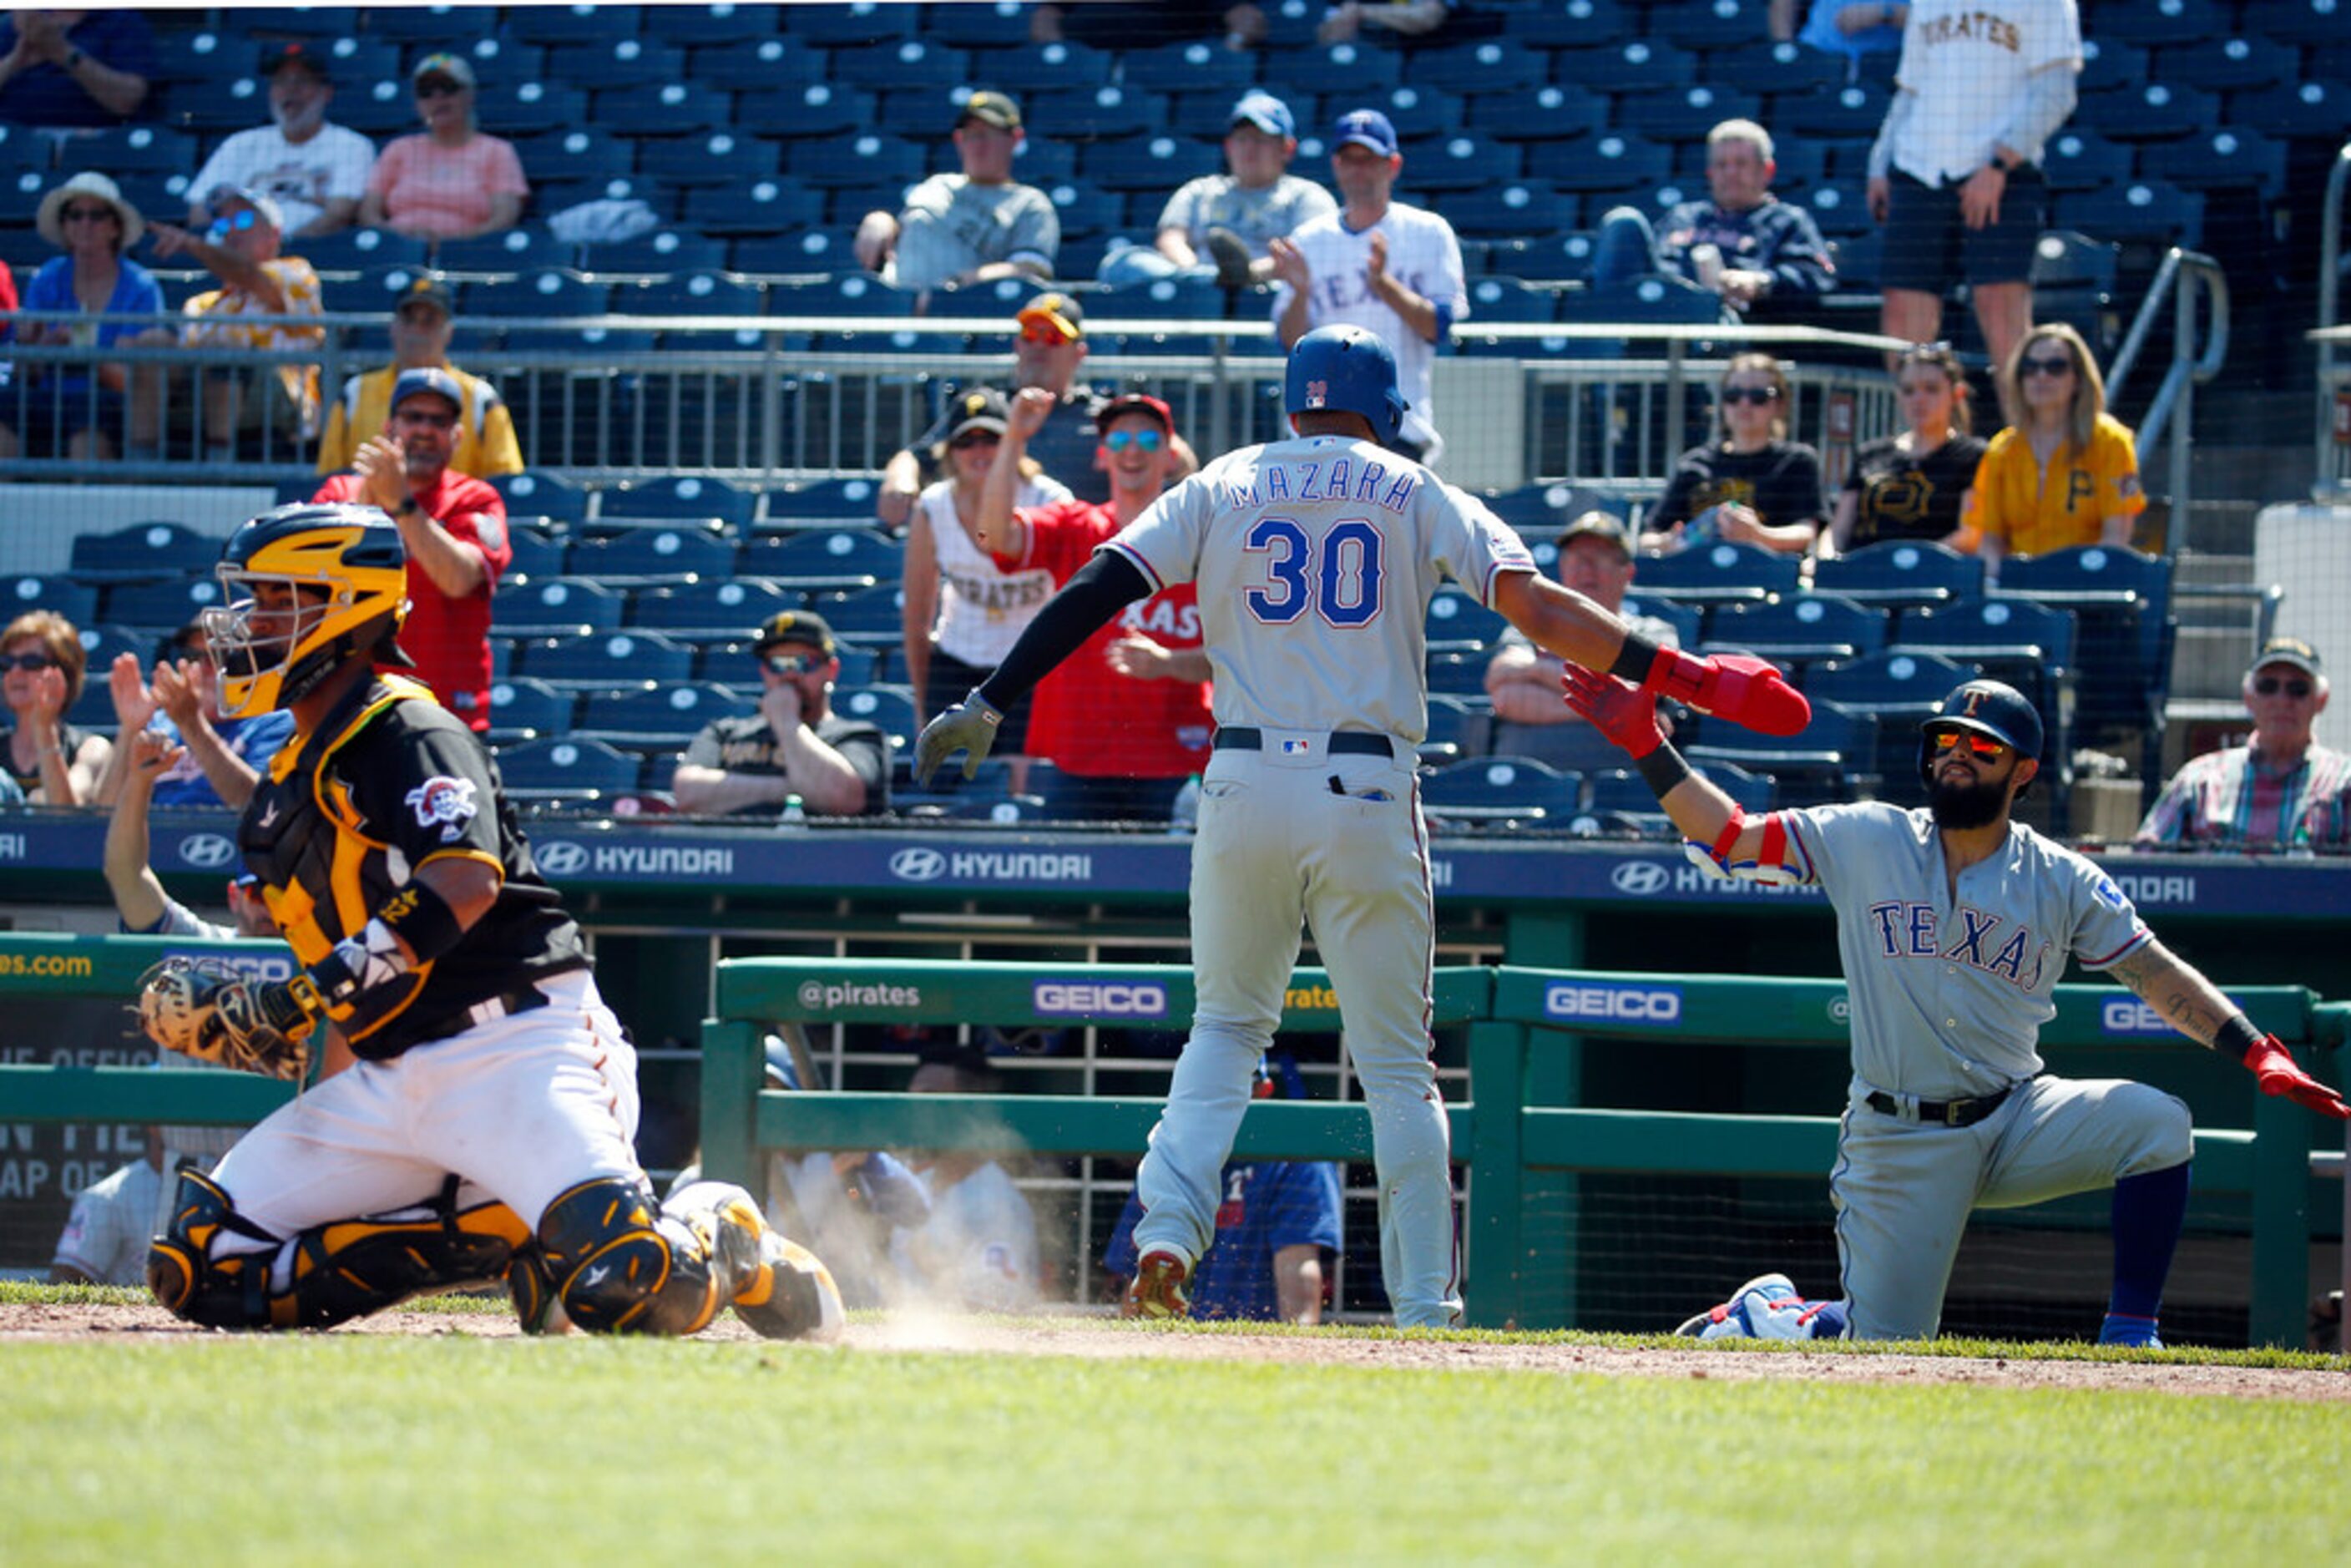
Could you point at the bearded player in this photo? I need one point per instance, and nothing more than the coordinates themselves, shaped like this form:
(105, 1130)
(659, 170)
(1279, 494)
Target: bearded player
(487, 1125)
(1954, 925)
(1314, 561)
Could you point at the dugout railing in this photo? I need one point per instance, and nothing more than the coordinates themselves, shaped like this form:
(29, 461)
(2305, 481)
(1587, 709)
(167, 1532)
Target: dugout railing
(1506, 1142)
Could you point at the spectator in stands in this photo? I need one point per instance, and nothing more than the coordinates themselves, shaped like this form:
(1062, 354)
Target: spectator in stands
(1391, 268)
(1743, 243)
(421, 325)
(74, 70)
(974, 226)
(1351, 19)
(243, 247)
(979, 1248)
(452, 182)
(795, 745)
(1955, 175)
(1124, 720)
(1849, 27)
(1754, 486)
(219, 756)
(965, 601)
(454, 528)
(88, 219)
(2064, 472)
(2282, 790)
(8, 443)
(314, 169)
(41, 668)
(1148, 26)
(1531, 719)
(1232, 217)
(1916, 483)
(140, 903)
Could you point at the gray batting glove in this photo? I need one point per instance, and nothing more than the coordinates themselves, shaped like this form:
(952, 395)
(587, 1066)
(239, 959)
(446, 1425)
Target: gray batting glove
(969, 727)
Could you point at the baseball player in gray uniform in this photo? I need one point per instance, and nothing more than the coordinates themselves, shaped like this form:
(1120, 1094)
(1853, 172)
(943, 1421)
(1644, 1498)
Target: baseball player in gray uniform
(1315, 559)
(1954, 925)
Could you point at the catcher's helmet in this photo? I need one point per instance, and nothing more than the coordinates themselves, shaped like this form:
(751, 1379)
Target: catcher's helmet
(270, 655)
(1988, 707)
(1348, 369)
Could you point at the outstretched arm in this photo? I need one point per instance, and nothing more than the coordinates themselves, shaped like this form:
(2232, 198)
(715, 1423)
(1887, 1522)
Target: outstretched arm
(2197, 1008)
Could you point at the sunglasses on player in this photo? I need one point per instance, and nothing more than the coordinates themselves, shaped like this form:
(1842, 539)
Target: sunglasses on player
(2269, 686)
(1045, 333)
(1120, 440)
(1983, 746)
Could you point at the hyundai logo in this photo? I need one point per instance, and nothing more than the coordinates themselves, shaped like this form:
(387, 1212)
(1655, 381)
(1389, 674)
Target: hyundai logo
(1639, 878)
(918, 865)
(207, 852)
(562, 857)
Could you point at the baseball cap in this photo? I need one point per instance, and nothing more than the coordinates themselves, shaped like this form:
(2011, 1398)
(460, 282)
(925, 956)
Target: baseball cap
(429, 290)
(1135, 403)
(1366, 128)
(456, 67)
(980, 408)
(1056, 310)
(427, 379)
(991, 109)
(271, 213)
(1267, 113)
(1600, 525)
(2289, 651)
(803, 626)
(280, 56)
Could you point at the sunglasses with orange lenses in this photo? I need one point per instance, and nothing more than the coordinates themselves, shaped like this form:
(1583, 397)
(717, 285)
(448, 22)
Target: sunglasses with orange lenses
(1983, 746)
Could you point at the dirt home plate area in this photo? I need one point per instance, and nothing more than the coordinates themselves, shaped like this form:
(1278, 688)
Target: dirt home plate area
(1093, 1339)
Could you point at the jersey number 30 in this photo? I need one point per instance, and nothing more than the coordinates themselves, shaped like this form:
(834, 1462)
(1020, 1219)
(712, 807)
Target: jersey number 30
(1341, 580)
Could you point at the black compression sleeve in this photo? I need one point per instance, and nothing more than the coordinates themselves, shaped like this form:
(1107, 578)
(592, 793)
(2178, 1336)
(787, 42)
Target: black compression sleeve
(1102, 586)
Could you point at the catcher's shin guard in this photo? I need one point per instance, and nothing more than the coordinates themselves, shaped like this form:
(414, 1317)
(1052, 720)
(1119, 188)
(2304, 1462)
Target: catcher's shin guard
(779, 1289)
(339, 1272)
(617, 1266)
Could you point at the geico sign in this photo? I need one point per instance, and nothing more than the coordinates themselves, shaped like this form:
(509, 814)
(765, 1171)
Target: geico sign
(1621, 1004)
(1108, 999)
(2129, 1014)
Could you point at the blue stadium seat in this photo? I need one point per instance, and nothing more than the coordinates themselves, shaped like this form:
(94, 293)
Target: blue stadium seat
(1463, 161)
(1538, 512)
(863, 160)
(164, 603)
(1478, 67)
(2152, 211)
(1834, 758)
(353, 250)
(514, 250)
(774, 208)
(699, 26)
(2156, 112)
(736, 662)
(614, 659)
(1684, 114)
(694, 294)
(833, 559)
(1587, 26)
(719, 606)
(1158, 163)
(1858, 259)
(2233, 65)
(546, 291)
(2001, 631)
(2165, 22)
(1638, 65)
(531, 107)
(1457, 728)
(1201, 65)
(671, 106)
(101, 645)
(1902, 689)
(846, 501)
(1705, 25)
(1839, 207)
(868, 615)
(722, 159)
(142, 553)
(652, 557)
(1051, 67)
(1161, 299)
(1456, 620)
(2086, 161)
(536, 554)
(687, 499)
(888, 708)
(1457, 672)
(524, 709)
(662, 253)
(625, 61)
(1661, 301)
(555, 24)
(2110, 65)
(1095, 112)
(2317, 110)
(498, 57)
(1801, 628)
(771, 67)
(1519, 207)
(2122, 602)
(2220, 159)
(428, 27)
(1786, 67)
(2314, 21)
(1351, 72)
(999, 25)
(1688, 619)
(135, 150)
(1622, 789)
(841, 27)
(1851, 109)
(1485, 791)
(1719, 573)
(900, 63)
(1540, 114)
(558, 606)
(1904, 574)
(1507, 300)
(77, 601)
(558, 771)
(1040, 161)
(1611, 161)
(314, 21)
(1417, 111)
(537, 492)
(643, 714)
(214, 106)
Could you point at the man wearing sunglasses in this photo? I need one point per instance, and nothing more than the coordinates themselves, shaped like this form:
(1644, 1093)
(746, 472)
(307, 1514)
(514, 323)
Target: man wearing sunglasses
(795, 745)
(422, 323)
(1954, 925)
(314, 170)
(2282, 790)
(241, 247)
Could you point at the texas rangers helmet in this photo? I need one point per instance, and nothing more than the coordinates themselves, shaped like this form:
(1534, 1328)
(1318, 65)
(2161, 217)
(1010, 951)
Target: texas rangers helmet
(1988, 707)
(346, 574)
(1348, 369)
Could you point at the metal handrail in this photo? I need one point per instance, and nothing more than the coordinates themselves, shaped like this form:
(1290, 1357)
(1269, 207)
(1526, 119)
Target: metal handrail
(2170, 414)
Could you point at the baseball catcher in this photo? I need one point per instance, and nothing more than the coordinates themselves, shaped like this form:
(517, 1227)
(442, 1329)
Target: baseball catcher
(486, 1127)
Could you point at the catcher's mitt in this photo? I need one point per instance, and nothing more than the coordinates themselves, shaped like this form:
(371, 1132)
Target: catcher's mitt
(202, 1008)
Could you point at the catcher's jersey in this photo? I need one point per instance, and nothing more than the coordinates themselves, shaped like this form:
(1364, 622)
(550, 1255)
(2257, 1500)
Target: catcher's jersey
(1948, 993)
(1316, 559)
(346, 815)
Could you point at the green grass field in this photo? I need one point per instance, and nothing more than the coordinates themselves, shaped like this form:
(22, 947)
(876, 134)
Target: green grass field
(367, 1449)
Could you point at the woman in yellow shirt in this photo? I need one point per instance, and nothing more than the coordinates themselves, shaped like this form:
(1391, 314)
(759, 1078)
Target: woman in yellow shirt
(2064, 472)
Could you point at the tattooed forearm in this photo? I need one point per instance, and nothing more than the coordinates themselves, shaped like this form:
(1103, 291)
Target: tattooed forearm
(2188, 1002)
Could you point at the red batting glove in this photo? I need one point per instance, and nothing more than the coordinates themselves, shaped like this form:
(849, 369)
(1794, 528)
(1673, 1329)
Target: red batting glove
(1626, 714)
(2273, 1066)
(1741, 687)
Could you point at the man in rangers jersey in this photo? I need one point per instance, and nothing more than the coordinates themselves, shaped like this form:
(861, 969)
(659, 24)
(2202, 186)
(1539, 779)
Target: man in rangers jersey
(1384, 265)
(1954, 925)
(1314, 561)
(487, 1125)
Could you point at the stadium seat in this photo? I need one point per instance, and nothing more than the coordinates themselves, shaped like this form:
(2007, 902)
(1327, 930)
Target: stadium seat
(2110, 65)
(1636, 66)
(834, 560)
(536, 555)
(531, 108)
(355, 250)
(523, 709)
(1622, 789)
(1705, 25)
(752, 71)
(2085, 161)
(1787, 67)
(1800, 628)
(2316, 109)
(135, 150)
(558, 770)
(2121, 601)
(1588, 25)
(687, 499)
(163, 604)
(2314, 21)
(314, 21)
(871, 615)
(669, 107)
(1096, 112)
(542, 292)
(77, 601)
(2233, 65)
(843, 26)
(1611, 161)
(1456, 620)
(1161, 299)
(1201, 65)
(2220, 159)
(645, 715)
(847, 501)
(719, 606)
(1554, 114)
(1719, 573)
(1478, 66)
(2156, 112)
(1840, 207)
(724, 159)
(540, 494)
(514, 250)
(1050, 67)
(1463, 161)
(983, 26)
(860, 159)
(558, 606)
(613, 659)
(1902, 574)
(2005, 635)
(911, 62)
(1508, 300)
(664, 252)
(214, 106)
(761, 207)
(1902, 689)
(1652, 301)
(1457, 728)
(2165, 22)
(1858, 259)
(888, 708)
(1457, 672)
(804, 111)
(1853, 110)
(1417, 112)
(1688, 621)
(694, 294)
(142, 552)
(2149, 211)
(1509, 210)
(555, 25)
(1835, 757)
(651, 555)
(1154, 163)
(1485, 791)
(1684, 114)
(602, 64)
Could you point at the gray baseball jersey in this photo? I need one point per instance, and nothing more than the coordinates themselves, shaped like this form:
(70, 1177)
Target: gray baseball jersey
(1949, 990)
(1316, 559)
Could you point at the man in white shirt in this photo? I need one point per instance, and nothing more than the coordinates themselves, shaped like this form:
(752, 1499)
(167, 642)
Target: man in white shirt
(1386, 267)
(315, 171)
(1955, 175)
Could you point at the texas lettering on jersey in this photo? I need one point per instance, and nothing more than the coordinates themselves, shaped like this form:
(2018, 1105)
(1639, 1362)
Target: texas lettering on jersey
(1908, 930)
(1335, 291)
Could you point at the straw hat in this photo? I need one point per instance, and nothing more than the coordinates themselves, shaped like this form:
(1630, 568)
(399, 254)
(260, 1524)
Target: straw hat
(88, 182)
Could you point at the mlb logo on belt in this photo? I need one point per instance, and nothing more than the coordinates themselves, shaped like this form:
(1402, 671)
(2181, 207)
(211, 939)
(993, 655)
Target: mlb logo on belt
(1296, 747)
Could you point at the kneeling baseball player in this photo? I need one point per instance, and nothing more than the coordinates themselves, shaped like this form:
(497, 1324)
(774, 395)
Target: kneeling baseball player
(1954, 925)
(487, 1128)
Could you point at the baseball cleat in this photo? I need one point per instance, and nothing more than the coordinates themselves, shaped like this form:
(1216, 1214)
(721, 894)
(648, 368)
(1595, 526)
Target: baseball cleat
(1162, 1286)
(793, 1295)
(1766, 1307)
(2124, 1329)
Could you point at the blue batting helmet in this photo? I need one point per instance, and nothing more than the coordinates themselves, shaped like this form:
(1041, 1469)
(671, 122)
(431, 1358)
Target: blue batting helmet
(1347, 369)
(1988, 707)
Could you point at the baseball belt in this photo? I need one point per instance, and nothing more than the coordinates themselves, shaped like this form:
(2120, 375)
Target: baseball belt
(1948, 1113)
(1344, 742)
(522, 1000)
